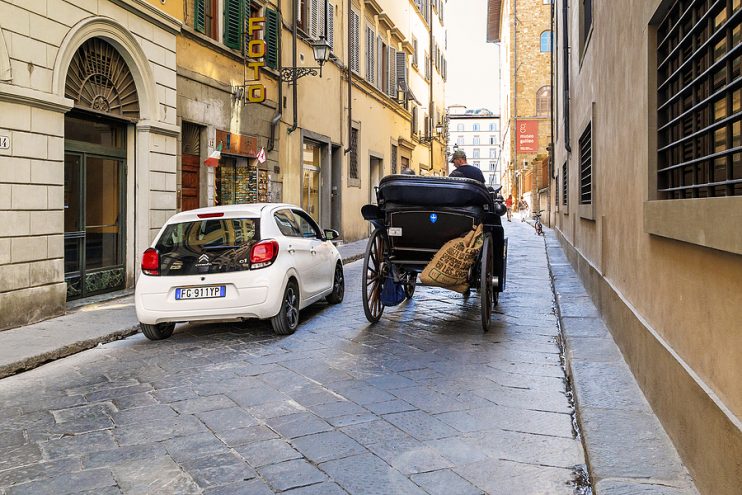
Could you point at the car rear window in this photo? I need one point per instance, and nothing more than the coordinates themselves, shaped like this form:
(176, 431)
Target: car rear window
(207, 246)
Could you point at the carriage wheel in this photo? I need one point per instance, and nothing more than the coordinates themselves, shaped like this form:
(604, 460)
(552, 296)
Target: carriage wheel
(486, 290)
(373, 276)
(410, 284)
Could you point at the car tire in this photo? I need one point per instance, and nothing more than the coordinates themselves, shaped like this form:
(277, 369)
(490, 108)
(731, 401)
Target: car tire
(338, 286)
(287, 319)
(157, 332)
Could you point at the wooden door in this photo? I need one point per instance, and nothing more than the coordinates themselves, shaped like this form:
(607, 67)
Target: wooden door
(190, 182)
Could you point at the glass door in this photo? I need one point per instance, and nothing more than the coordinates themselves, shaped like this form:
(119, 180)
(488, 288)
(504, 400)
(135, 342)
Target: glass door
(310, 196)
(94, 200)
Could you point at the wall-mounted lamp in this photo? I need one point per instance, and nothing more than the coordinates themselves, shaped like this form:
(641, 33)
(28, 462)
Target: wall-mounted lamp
(321, 50)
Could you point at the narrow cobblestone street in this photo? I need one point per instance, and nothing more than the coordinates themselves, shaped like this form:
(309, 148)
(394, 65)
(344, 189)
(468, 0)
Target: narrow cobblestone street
(422, 402)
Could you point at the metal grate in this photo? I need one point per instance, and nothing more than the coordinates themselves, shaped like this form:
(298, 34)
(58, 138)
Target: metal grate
(394, 159)
(586, 166)
(699, 100)
(565, 183)
(353, 162)
(99, 79)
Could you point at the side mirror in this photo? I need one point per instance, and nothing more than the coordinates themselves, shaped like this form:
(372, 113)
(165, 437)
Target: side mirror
(331, 234)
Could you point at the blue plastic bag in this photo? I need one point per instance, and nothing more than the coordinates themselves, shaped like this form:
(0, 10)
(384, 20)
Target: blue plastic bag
(392, 293)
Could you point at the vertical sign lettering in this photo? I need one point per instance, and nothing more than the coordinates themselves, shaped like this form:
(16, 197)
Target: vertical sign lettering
(255, 91)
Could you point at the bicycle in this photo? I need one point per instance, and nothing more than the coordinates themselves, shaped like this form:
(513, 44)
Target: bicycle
(537, 224)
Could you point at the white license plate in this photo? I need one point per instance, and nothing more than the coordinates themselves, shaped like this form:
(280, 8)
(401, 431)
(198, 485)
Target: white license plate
(200, 292)
(395, 231)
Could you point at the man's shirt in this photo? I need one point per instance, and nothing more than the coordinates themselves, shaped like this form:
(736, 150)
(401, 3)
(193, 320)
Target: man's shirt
(468, 171)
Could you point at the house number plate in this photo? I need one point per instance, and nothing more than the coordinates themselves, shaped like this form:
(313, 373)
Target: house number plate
(4, 142)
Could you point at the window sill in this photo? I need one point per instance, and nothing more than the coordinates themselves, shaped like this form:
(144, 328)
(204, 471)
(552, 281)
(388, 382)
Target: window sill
(692, 221)
(586, 211)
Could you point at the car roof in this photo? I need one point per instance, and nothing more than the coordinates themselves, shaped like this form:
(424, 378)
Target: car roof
(252, 210)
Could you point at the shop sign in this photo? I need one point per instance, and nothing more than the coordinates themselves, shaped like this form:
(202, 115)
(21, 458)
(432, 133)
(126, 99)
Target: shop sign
(237, 144)
(527, 136)
(254, 89)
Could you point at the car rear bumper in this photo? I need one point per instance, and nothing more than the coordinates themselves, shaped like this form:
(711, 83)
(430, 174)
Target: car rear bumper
(155, 301)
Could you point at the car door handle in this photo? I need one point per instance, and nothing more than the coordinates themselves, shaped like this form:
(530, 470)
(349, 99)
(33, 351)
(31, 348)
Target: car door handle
(291, 250)
(313, 251)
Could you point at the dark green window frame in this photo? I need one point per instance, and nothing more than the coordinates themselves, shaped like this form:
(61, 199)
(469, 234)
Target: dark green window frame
(272, 38)
(234, 19)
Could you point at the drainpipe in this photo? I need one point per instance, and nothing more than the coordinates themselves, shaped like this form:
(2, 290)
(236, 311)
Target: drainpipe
(294, 90)
(431, 109)
(515, 97)
(552, 168)
(350, 80)
(565, 78)
(279, 108)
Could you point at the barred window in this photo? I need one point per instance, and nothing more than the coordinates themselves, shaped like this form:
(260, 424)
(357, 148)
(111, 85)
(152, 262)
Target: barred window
(565, 183)
(353, 161)
(394, 158)
(699, 100)
(586, 166)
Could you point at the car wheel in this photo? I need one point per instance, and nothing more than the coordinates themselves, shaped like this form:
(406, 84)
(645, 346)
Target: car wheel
(338, 286)
(287, 319)
(157, 332)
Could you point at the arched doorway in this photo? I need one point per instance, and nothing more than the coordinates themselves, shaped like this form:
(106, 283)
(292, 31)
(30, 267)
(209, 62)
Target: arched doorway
(105, 104)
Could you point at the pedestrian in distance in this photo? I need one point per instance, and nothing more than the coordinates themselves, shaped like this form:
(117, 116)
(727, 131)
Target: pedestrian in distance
(523, 209)
(509, 204)
(463, 169)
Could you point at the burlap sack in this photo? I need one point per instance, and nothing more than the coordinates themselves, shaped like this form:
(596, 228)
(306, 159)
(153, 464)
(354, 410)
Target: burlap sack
(450, 266)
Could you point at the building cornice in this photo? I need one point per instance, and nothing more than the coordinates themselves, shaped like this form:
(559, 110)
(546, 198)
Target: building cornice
(151, 13)
(374, 7)
(34, 98)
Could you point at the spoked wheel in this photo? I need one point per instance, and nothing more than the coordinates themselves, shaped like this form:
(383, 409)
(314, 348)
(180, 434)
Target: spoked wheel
(373, 276)
(486, 290)
(410, 284)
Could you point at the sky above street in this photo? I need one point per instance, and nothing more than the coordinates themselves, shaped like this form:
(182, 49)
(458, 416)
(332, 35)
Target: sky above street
(473, 73)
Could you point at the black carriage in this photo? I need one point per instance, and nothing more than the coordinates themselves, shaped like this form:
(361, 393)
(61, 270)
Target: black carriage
(414, 217)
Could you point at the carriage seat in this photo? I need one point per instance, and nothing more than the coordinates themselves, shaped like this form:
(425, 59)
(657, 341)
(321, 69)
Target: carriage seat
(436, 192)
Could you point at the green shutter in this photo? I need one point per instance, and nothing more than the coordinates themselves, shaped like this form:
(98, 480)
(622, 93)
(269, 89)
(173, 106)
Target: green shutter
(233, 21)
(272, 32)
(199, 16)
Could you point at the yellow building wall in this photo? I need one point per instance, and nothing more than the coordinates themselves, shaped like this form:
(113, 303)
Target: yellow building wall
(172, 7)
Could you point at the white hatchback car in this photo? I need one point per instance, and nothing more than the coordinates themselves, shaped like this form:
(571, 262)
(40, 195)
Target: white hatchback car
(263, 261)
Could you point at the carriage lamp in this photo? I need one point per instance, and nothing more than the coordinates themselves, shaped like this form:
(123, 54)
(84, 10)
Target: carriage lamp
(321, 50)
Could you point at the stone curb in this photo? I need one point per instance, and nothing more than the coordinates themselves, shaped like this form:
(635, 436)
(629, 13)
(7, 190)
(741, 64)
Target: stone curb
(626, 449)
(31, 360)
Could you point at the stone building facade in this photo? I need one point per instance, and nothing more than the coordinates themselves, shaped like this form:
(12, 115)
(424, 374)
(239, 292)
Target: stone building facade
(523, 30)
(87, 147)
(649, 196)
(476, 132)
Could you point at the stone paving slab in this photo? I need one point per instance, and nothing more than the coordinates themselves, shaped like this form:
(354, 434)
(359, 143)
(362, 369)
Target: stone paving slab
(423, 402)
(627, 450)
(24, 348)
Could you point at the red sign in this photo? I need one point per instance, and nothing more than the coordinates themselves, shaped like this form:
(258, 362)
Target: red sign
(526, 132)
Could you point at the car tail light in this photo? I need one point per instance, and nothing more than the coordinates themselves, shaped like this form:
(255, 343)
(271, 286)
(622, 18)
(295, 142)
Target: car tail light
(263, 254)
(151, 262)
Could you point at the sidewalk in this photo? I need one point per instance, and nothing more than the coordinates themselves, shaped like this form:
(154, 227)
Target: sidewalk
(84, 327)
(627, 450)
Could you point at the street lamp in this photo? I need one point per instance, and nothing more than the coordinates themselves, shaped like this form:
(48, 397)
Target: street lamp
(321, 50)
(438, 132)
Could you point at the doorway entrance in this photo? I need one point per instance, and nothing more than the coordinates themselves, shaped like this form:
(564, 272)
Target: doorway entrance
(376, 172)
(94, 205)
(310, 195)
(190, 170)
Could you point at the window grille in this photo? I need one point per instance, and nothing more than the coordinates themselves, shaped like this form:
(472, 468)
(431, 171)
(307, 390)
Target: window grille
(699, 100)
(353, 161)
(565, 183)
(394, 159)
(586, 166)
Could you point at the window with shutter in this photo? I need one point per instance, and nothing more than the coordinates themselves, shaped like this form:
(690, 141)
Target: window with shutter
(272, 32)
(331, 25)
(394, 159)
(379, 62)
(233, 15)
(199, 16)
(355, 42)
(370, 52)
(384, 68)
(414, 51)
(392, 68)
(353, 159)
(401, 71)
(414, 120)
(316, 22)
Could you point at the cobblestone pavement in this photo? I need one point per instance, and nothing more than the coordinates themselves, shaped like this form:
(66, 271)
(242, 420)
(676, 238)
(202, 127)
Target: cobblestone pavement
(422, 402)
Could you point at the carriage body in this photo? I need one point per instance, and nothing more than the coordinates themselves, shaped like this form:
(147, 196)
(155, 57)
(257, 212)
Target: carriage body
(415, 216)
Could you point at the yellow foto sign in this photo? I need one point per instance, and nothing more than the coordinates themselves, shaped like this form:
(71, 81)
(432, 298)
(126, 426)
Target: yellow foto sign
(255, 92)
